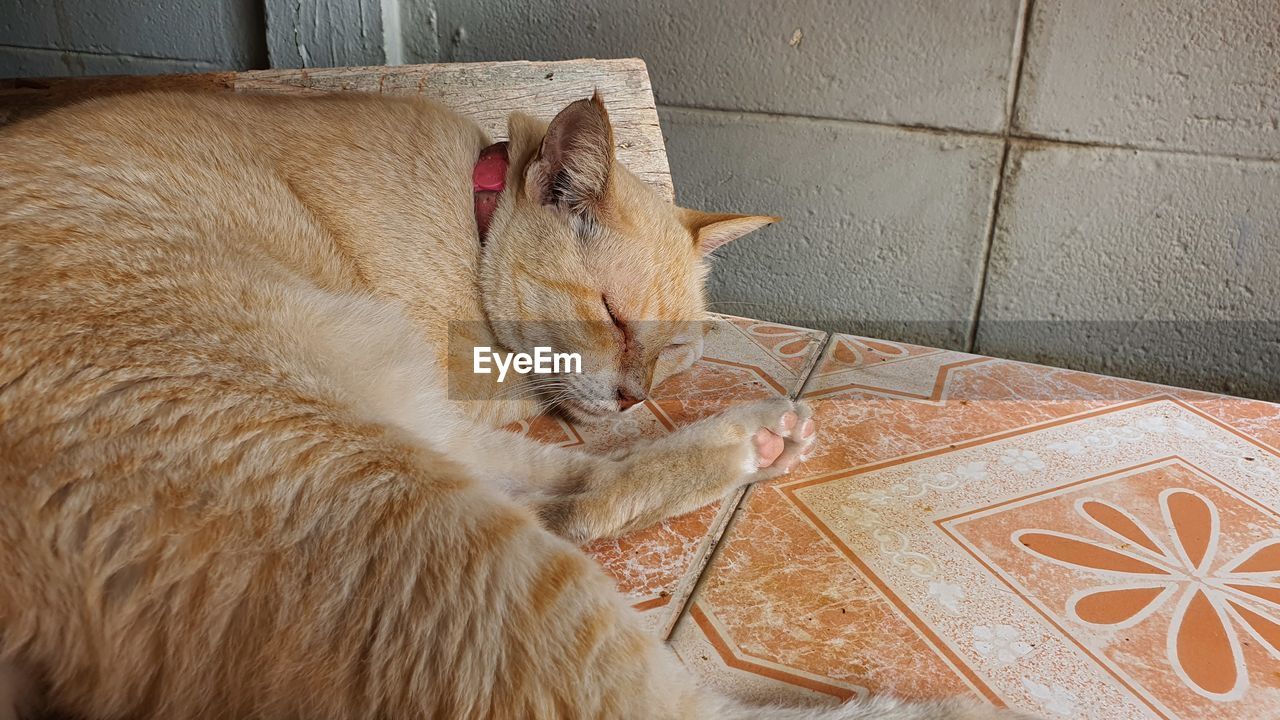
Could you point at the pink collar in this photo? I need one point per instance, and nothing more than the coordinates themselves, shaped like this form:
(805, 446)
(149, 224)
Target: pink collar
(488, 178)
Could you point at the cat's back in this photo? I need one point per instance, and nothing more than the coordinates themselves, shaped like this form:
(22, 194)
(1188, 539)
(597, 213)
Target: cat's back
(155, 252)
(74, 160)
(164, 157)
(123, 214)
(164, 179)
(115, 179)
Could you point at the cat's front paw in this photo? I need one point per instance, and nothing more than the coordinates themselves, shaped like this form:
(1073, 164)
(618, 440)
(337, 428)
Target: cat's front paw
(779, 434)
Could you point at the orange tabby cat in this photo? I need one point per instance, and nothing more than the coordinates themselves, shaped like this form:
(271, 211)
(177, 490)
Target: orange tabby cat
(233, 483)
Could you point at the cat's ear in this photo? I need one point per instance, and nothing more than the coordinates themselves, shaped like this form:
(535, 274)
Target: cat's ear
(711, 230)
(572, 168)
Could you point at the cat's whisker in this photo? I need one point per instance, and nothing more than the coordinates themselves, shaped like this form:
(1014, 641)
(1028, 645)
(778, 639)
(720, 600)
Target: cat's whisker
(554, 382)
(536, 390)
(557, 397)
(545, 399)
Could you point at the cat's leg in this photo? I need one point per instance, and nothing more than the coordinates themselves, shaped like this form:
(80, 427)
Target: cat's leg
(368, 351)
(583, 496)
(681, 472)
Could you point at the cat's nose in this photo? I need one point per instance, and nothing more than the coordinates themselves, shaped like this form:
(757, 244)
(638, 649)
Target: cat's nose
(627, 400)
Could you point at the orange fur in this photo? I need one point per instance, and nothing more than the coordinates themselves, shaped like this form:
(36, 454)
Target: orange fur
(234, 487)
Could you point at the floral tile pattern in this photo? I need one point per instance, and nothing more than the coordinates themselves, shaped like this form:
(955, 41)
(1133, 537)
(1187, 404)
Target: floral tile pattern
(1165, 554)
(1065, 543)
(742, 360)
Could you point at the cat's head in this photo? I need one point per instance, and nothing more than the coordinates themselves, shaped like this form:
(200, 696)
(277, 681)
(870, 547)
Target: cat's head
(583, 257)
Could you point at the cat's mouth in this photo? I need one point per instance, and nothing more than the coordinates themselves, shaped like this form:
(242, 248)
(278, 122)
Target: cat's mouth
(577, 397)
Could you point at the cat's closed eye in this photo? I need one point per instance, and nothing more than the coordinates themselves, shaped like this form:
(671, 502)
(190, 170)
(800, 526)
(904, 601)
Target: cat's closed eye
(620, 324)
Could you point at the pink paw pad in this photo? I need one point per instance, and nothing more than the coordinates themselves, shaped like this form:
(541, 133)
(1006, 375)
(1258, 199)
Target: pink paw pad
(768, 447)
(808, 429)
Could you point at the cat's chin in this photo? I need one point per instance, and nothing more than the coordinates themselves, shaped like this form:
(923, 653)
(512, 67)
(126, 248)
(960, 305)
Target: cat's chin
(577, 412)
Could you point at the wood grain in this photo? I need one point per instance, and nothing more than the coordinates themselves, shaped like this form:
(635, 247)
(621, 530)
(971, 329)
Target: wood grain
(485, 92)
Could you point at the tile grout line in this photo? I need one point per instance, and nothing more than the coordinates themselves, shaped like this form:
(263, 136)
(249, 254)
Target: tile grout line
(1017, 62)
(689, 587)
(731, 521)
(829, 337)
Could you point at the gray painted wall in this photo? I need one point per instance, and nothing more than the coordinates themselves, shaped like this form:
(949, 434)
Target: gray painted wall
(1078, 182)
(97, 37)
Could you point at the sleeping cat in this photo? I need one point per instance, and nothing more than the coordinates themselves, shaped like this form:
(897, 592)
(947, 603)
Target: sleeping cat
(233, 483)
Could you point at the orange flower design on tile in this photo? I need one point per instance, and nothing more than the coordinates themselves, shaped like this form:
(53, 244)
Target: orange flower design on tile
(1213, 601)
(790, 346)
(782, 340)
(851, 351)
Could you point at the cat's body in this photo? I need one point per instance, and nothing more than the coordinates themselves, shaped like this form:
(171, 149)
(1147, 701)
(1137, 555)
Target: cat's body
(233, 484)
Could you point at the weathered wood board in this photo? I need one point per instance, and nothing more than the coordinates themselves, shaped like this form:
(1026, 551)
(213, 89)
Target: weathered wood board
(485, 92)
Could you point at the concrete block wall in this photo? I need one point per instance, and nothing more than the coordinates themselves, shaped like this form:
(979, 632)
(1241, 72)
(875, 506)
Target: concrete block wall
(102, 37)
(1086, 183)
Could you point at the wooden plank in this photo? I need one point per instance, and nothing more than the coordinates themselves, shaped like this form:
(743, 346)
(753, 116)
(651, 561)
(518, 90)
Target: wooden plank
(485, 92)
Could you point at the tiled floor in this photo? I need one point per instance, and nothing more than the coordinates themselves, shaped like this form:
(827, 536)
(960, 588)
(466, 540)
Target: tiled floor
(1073, 545)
